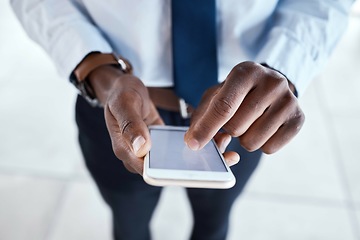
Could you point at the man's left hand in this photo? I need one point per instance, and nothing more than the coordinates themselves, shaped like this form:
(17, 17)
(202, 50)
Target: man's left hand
(255, 104)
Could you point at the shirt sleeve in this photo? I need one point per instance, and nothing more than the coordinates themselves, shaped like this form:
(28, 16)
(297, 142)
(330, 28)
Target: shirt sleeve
(62, 28)
(301, 36)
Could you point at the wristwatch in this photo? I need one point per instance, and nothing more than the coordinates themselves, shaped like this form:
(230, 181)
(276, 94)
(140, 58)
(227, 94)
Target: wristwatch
(90, 63)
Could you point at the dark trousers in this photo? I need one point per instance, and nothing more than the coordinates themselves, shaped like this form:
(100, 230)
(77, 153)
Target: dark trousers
(132, 201)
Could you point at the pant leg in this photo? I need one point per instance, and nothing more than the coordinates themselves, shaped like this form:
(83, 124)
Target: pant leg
(131, 211)
(118, 187)
(211, 207)
(130, 199)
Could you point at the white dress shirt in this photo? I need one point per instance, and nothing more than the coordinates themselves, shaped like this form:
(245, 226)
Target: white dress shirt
(292, 36)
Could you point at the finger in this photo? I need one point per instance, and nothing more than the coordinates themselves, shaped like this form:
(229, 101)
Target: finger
(121, 148)
(204, 103)
(272, 87)
(128, 112)
(220, 109)
(285, 133)
(231, 158)
(252, 107)
(222, 140)
(269, 123)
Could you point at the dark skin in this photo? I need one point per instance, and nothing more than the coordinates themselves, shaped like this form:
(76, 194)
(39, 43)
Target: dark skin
(255, 104)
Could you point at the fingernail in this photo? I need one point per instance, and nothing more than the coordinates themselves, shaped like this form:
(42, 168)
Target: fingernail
(138, 143)
(193, 144)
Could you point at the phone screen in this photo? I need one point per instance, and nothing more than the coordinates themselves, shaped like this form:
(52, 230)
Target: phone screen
(169, 151)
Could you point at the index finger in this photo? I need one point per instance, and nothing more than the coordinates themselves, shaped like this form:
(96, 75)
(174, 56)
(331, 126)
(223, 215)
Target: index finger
(218, 112)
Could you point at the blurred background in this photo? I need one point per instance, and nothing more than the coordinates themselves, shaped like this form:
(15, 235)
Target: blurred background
(308, 190)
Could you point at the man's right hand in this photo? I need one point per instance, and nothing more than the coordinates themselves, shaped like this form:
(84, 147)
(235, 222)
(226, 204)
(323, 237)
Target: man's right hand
(128, 111)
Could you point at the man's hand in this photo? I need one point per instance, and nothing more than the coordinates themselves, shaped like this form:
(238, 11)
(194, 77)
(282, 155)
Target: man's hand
(255, 104)
(128, 111)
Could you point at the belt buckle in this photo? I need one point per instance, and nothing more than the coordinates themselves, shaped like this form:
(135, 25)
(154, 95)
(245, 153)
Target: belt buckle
(185, 114)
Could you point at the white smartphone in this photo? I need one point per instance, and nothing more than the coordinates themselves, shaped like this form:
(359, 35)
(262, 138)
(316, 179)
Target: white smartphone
(171, 162)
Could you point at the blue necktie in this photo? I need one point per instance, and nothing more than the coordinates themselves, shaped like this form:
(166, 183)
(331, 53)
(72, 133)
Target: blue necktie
(194, 48)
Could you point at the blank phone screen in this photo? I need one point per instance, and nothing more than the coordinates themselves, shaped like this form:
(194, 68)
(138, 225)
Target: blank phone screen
(169, 151)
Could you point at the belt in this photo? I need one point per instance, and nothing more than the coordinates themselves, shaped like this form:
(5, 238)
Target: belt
(165, 98)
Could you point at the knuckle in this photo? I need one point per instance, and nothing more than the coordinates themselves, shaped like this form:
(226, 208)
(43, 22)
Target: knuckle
(125, 125)
(223, 107)
(128, 126)
(269, 149)
(249, 64)
(248, 143)
(130, 96)
(245, 67)
(289, 101)
(296, 115)
(254, 104)
(298, 119)
(274, 80)
(233, 130)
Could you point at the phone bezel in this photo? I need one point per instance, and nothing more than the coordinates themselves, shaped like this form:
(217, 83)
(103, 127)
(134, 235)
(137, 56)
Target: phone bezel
(187, 178)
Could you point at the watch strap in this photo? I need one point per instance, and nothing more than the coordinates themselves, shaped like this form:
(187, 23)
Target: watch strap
(95, 60)
(87, 65)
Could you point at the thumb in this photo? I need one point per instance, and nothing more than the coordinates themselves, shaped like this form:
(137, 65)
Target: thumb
(131, 128)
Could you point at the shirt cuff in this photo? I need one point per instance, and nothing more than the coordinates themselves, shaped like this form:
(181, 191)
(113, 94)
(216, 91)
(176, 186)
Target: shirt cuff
(73, 43)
